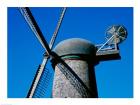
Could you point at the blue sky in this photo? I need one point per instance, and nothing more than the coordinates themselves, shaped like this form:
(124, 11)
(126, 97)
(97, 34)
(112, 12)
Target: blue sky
(114, 78)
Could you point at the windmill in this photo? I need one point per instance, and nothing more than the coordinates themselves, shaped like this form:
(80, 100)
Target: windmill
(106, 51)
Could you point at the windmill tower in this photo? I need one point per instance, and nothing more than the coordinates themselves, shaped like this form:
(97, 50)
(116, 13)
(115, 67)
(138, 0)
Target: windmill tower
(73, 61)
(80, 55)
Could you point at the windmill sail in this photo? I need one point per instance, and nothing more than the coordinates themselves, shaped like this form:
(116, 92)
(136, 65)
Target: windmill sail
(43, 84)
(25, 11)
(35, 90)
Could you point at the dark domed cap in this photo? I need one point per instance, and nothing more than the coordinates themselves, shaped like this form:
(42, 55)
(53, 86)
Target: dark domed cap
(75, 46)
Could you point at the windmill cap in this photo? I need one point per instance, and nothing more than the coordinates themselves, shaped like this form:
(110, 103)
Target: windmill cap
(75, 46)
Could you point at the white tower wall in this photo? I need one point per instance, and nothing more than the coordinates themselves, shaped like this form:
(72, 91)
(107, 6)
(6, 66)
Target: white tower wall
(61, 85)
(79, 54)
